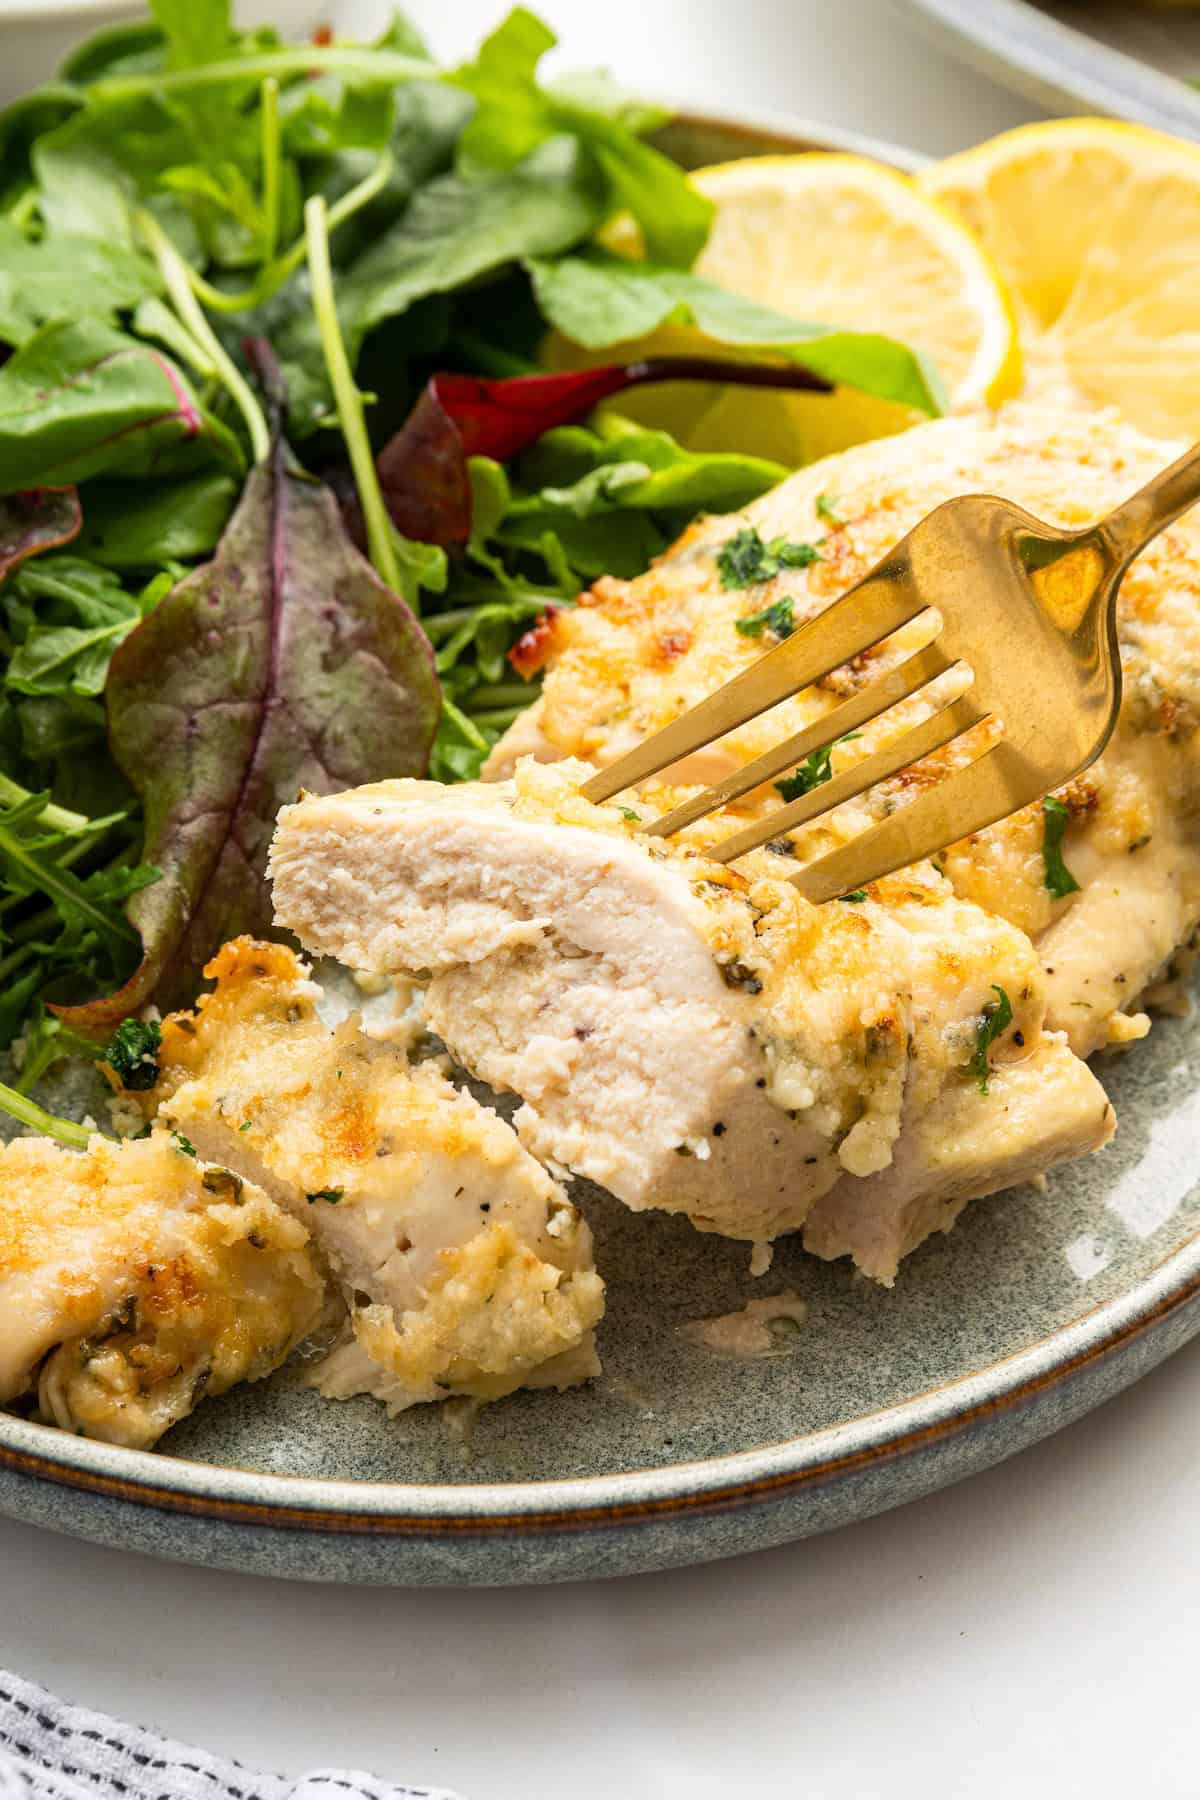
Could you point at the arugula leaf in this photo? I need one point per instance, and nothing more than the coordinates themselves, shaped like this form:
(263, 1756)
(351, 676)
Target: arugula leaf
(514, 115)
(82, 399)
(745, 560)
(1057, 877)
(598, 299)
(775, 618)
(90, 613)
(994, 1020)
(34, 522)
(139, 527)
(216, 727)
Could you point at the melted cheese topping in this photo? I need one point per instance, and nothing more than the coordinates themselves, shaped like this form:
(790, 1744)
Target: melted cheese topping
(635, 654)
(134, 1280)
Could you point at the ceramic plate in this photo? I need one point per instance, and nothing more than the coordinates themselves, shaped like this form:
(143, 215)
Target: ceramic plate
(1038, 1307)
(1105, 56)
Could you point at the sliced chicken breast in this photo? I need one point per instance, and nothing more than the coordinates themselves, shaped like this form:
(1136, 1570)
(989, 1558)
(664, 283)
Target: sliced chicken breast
(635, 654)
(693, 1037)
(135, 1280)
(465, 1268)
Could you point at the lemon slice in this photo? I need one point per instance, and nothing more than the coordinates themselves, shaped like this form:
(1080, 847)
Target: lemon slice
(1095, 226)
(842, 241)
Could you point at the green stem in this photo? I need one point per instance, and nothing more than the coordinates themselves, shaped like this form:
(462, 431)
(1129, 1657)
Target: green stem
(445, 624)
(56, 817)
(380, 541)
(502, 717)
(270, 166)
(28, 1112)
(271, 279)
(10, 963)
(466, 726)
(382, 68)
(503, 693)
(29, 928)
(175, 275)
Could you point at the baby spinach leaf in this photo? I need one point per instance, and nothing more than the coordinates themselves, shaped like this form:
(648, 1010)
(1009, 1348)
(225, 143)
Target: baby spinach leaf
(81, 398)
(116, 50)
(128, 526)
(284, 663)
(56, 277)
(514, 115)
(456, 230)
(597, 299)
(36, 521)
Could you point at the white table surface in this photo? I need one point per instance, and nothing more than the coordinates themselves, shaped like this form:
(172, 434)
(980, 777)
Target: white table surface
(1029, 1633)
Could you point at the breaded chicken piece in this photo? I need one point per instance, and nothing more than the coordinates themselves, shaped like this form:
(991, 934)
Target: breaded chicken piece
(135, 1280)
(635, 654)
(698, 1038)
(465, 1268)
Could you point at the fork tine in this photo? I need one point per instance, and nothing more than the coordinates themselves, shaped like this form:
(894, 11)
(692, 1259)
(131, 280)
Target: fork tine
(997, 783)
(881, 603)
(940, 728)
(874, 699)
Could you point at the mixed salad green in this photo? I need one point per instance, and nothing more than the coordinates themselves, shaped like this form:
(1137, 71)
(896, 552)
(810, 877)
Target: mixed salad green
(261, 303)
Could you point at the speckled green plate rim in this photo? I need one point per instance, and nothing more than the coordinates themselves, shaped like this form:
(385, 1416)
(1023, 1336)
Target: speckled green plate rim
(239, 1496)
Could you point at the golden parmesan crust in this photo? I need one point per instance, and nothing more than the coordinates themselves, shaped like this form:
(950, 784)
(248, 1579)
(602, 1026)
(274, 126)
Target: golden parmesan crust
(610, 682)
(697, 1038)
(400, 1176)
(134, 1280)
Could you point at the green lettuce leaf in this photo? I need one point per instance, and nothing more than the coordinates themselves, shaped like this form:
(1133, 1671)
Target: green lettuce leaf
(598, 300)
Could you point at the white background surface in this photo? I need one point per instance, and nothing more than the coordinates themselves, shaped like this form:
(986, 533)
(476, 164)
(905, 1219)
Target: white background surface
(1029, 1633)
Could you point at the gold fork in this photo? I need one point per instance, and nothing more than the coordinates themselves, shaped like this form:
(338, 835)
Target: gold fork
(1028, 615)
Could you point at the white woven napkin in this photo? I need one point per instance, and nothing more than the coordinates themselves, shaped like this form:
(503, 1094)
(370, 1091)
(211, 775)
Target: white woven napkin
(52, 1751)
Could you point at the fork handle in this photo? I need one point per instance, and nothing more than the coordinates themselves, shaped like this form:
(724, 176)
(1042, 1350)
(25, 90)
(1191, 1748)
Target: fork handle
(1133, 524)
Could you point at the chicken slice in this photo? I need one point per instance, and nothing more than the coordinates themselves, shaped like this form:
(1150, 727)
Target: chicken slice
(696, 1038)
(465, 1268)
(634, 654)
(135, 1280)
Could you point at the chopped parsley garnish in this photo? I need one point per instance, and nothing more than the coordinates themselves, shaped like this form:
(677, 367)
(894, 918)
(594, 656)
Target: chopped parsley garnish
(814, 770)
(826, 508)
(745, 559)
(627, 812)
(994, 1020)
(184, 1144)
(332, 1195)
(853, 899)
(1058, 878)
(133, 1054)
(776, 618)
(246, 1125)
